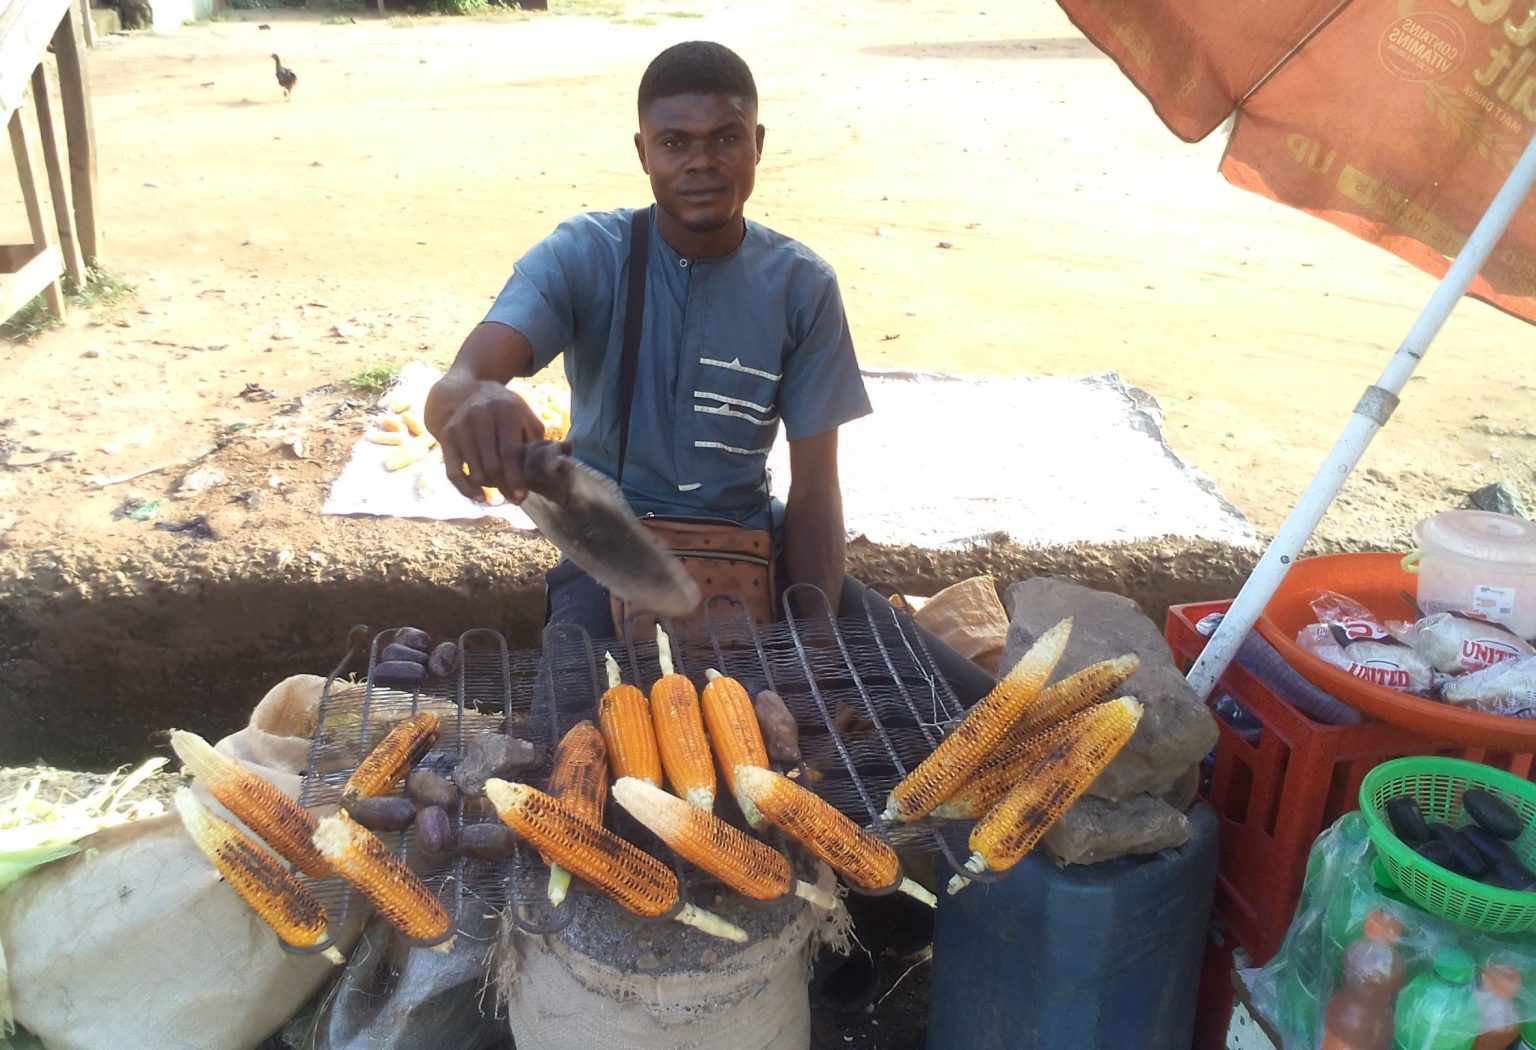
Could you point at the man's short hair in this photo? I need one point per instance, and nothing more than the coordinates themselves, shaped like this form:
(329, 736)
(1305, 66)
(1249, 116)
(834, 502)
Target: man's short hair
(698, 67)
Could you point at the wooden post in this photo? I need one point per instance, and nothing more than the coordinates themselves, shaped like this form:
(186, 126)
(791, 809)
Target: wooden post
(26, 172)
(58, 189)
(79, 131)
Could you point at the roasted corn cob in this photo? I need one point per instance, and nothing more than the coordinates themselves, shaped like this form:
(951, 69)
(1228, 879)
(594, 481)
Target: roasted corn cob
(1061, 700)
(579, 780)
(1023, 816)
(805, 817)
(402, 747)
(272, 891)
(680, 732)
(411, 452)
(995, 777)
(360, 857)
(625, 715)
(734, 735)
(940, 774)
(737, 859)
(637, 881)
(272, 816)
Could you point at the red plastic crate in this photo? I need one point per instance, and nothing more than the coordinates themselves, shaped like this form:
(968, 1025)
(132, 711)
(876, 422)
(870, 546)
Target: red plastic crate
(1275, 797)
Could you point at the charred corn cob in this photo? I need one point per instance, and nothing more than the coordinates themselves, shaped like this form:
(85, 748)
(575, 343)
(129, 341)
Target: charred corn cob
(272, 891)
(805, 817)
(579, 780)
(637, 881)
(740, 861)
(272, 816)
(940, 774)
(734, 735)
(360, 857)
(680, 731)
(995, 777)
(1061, 700)
(402, 747)
(625, 715)
(1023, 816)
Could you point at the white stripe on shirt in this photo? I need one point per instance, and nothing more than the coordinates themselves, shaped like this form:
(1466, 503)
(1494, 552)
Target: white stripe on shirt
(690, 488)
(732, 448)
(740, 402)
(737, 366)
(772, 419)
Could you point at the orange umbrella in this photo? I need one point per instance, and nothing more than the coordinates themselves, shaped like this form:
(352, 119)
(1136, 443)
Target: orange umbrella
(1406, 122)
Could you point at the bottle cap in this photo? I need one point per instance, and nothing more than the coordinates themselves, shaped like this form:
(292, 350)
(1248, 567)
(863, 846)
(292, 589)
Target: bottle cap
(1379, 926)
(1454, 965)
(1501, 980)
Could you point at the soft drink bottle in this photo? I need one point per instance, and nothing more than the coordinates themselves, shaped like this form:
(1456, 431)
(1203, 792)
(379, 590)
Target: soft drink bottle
(1499, 1026)
(1359, 1016)
(1437, 1010)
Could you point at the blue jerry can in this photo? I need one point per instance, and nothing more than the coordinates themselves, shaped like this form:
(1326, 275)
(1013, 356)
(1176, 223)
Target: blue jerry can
(1093, 957)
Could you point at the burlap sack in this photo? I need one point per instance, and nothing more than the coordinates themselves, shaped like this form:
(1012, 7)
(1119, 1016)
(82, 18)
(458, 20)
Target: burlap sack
(135, 942)
(970, 619)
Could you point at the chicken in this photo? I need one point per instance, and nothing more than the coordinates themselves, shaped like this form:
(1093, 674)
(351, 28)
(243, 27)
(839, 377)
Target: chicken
(286, 78)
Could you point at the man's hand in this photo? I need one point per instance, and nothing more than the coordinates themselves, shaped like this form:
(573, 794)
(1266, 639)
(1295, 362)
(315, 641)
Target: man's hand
(478, 421)
(487, 432)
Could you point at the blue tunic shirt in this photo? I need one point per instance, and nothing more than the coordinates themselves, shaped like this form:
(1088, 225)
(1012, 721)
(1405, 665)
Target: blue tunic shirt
(730, 347)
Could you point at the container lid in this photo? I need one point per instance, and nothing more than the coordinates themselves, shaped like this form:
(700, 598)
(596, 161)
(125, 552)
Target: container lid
(1479, 534)
(1454, 965)
(1379, 926)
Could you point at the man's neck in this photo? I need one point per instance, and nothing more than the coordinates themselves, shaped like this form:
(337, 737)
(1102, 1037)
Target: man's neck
(708, 244)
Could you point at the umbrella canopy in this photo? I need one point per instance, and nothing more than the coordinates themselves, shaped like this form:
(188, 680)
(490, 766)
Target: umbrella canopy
(1398, 120)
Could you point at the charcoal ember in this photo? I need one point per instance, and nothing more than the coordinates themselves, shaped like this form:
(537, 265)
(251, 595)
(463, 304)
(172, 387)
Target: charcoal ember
(493, 756)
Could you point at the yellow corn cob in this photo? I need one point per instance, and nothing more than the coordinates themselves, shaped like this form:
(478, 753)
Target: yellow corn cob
(995, 777)
(272, 891)
(637, 881)
(1061, 700)
(805, 817)
(579, 780)
(272, 816)
(379, 437)
(391, 424)
(740, 861)
(625, 715)
(1023, 816)
(680, 732)
(400, 404)
(408, 454)
(393, 889)
(412, 423)
(402, 747)
(734, 734)
(493, 497)
(940, 774)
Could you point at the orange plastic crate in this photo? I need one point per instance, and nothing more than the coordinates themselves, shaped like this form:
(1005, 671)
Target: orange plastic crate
(1276, 796)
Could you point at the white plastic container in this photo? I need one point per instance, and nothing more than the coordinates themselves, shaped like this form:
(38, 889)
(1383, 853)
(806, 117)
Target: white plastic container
(1480, 563)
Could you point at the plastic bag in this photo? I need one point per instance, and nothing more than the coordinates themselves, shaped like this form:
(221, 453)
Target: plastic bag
(1385, 661)
(1293, 990)
(1459, 644)
(1507, 688)
(1338, 610)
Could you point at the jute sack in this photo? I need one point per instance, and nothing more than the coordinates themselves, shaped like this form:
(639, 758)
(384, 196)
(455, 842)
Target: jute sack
(727, 997)
(135, 942)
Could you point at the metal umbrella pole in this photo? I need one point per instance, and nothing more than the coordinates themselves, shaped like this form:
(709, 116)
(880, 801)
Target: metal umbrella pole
(1375, 407)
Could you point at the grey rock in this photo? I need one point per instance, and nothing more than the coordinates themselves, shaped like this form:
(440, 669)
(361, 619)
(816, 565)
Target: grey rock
(1176, 729)
(1501, 497)
(1096, 830)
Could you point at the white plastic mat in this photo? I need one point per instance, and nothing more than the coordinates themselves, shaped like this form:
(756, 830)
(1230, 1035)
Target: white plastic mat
(944, 461)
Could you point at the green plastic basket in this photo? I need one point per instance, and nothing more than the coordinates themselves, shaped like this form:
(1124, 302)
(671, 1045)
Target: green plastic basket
(1438, 785)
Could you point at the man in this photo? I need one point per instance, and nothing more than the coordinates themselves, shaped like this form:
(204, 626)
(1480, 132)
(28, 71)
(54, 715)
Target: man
(742, 327)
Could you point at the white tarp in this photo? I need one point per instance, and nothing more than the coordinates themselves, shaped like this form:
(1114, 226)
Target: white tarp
(944, 461)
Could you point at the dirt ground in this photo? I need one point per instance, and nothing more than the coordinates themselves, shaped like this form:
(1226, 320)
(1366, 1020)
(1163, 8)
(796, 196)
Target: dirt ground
(280, 248)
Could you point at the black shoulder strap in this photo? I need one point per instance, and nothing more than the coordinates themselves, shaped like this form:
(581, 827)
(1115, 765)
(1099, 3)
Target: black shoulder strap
(634, 316)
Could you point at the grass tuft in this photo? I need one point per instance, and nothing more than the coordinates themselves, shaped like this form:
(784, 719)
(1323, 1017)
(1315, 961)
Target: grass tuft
(377, 379)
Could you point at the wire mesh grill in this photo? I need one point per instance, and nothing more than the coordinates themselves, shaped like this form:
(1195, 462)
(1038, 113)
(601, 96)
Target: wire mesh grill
(863, 691)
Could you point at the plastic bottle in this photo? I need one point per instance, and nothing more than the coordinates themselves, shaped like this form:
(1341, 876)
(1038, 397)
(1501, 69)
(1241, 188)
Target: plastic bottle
(1353, 894)
(1499, 1013)
(1437, 1010)
(1359, 1016)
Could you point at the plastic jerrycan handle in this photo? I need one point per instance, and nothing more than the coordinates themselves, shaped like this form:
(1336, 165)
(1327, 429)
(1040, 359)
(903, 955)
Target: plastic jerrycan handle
(1411, 562)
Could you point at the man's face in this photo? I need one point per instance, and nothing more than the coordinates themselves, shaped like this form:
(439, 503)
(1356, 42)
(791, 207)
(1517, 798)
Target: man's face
(701, 152)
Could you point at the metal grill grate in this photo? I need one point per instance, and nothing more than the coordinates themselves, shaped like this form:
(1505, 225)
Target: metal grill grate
(863, 690)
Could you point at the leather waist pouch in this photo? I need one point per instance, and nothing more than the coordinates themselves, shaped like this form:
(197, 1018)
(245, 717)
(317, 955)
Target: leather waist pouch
(724, 559)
